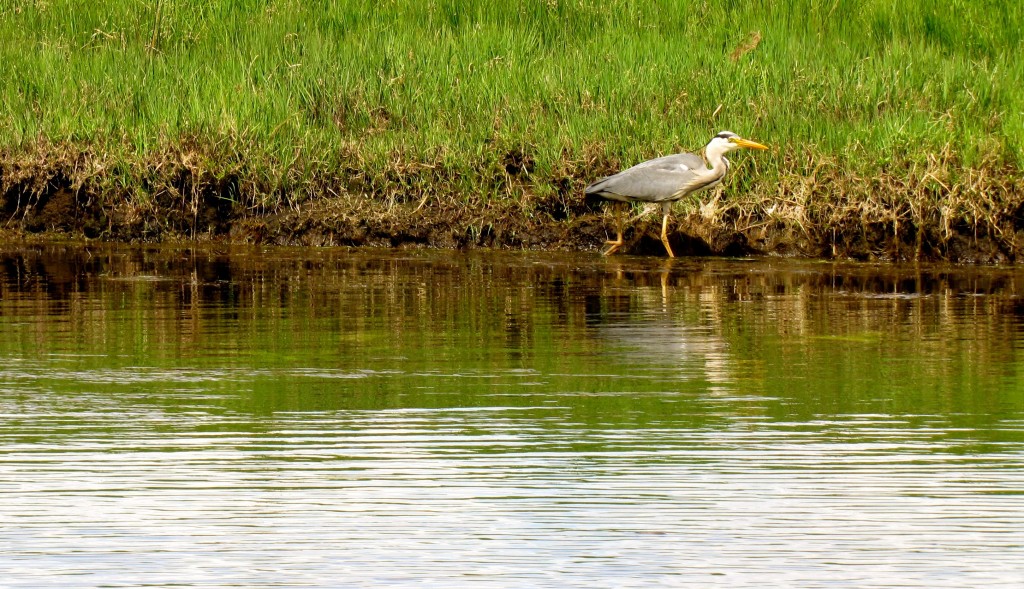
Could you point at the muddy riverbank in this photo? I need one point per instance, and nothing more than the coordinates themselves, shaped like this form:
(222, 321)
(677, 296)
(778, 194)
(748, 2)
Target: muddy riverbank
(980, 219)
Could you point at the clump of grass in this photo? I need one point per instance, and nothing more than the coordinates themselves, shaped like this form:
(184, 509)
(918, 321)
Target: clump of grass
(440, 102)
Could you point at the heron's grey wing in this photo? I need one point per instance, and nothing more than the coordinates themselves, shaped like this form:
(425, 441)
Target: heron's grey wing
(680, 161)
(651, 181)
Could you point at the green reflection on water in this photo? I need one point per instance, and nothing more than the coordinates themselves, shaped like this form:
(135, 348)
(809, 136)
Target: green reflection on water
(622, 343)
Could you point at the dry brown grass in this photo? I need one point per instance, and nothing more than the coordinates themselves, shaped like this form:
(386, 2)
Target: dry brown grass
(195, 192)
(932, 212)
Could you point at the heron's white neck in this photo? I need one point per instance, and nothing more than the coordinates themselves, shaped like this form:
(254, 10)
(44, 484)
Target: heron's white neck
(714, 153)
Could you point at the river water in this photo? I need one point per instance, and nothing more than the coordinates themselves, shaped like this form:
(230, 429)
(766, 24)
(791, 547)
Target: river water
(356, 418)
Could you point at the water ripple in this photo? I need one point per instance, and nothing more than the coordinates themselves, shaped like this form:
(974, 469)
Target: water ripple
(490, 498)
(406, 418)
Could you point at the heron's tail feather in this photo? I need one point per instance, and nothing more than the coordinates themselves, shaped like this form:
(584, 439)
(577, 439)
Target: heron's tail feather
(595, 188)
(594, 197)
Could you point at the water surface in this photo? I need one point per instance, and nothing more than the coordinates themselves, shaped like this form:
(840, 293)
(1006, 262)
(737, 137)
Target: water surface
(324, 418)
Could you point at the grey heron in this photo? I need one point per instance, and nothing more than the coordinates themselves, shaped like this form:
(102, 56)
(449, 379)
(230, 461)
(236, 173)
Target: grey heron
(667, 179)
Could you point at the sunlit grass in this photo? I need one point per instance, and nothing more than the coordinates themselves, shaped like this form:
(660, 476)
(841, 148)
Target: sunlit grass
(284, 91)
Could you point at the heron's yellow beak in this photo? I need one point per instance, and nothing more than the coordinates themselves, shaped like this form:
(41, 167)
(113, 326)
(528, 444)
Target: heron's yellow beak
(747, 143)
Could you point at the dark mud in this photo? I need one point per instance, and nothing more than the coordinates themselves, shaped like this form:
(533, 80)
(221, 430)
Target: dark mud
(53, 206)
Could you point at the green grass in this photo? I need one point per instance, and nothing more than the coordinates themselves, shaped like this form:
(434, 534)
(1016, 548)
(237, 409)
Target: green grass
(294, 96)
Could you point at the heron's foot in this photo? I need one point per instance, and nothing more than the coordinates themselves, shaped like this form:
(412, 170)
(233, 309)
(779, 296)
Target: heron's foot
(615, 245)
(668, 248)
(664, 234)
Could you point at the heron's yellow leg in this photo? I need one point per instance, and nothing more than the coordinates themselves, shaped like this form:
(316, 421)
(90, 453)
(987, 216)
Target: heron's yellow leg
(618, 229)
(664, 234)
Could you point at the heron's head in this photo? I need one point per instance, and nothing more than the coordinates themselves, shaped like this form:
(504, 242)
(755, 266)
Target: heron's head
(727, 141)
